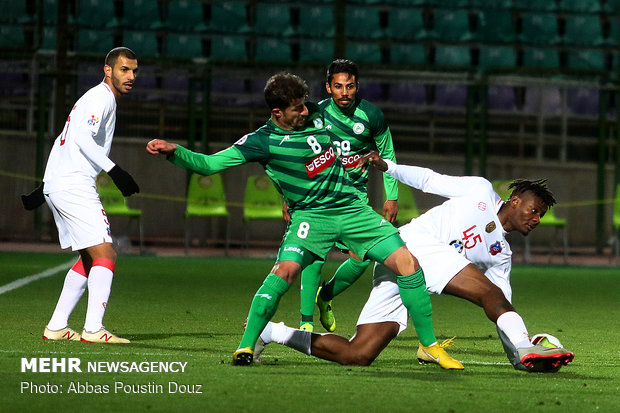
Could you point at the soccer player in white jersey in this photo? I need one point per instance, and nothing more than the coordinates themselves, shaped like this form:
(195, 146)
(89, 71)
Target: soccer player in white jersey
(461, 245)
(78, 155)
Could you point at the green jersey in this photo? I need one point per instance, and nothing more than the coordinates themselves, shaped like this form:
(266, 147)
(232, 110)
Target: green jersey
(302, 164)
(355, 131)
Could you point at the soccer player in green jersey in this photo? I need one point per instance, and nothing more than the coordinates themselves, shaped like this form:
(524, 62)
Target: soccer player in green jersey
(356, 126)
(300, 159)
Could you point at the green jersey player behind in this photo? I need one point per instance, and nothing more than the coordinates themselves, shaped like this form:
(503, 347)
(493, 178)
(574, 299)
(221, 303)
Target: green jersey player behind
(356, 127)
(300, 159)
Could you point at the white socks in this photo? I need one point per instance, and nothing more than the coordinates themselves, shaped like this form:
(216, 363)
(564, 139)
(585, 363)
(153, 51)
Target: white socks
(99, 286)
(300, 340)
(513, 326)
(72, 290)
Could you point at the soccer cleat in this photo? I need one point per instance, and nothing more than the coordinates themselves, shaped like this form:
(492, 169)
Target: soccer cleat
(102, 336)
(64, 334)
(328, 321)
(307, 327)
(436, 354)
(243, 357)
(544, 359)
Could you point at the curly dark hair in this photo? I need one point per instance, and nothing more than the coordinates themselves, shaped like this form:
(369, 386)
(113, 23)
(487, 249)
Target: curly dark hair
(537, 187)
(283, 88)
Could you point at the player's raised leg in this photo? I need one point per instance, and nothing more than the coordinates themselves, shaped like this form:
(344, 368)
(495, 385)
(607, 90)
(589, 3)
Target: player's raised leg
(415, 298)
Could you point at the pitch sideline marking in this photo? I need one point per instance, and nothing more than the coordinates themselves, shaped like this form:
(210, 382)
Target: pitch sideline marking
(31, 278)
(486, 363)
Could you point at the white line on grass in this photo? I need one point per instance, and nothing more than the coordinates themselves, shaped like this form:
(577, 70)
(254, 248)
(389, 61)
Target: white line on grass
(31, 278)
(486, 363)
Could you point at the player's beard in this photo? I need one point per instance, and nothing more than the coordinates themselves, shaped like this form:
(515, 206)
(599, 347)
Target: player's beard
(120, 86)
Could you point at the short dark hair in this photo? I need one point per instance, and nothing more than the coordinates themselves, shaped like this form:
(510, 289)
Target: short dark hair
(342, 66)
(537, 187)
(283, 88)
(112, 56)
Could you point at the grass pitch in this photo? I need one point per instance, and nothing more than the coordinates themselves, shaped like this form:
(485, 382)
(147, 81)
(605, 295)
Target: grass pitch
(191, 310)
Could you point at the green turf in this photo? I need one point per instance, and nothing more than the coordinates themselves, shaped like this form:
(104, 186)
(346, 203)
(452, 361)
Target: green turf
(192, 310)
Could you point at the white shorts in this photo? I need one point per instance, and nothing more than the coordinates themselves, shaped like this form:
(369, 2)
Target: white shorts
(439, 261)
(384, 304)
(79, 217)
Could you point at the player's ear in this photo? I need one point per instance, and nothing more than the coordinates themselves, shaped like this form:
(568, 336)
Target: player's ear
(107, 70)
(276, 113)
(328, 88)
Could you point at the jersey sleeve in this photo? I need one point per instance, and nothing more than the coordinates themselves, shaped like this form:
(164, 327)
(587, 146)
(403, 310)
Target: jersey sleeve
(85, 131)
(254, 147)
(383, 140)
(207, 164)
(432, 182)
(386, 150)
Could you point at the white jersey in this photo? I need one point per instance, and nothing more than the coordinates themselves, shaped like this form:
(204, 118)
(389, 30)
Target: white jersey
(467, 221)
(81, 151)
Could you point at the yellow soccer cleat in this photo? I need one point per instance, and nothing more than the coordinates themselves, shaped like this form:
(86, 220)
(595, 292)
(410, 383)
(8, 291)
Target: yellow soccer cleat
(328, 321)
(64, 334)
(307, 327)
(102, 336)
(243, 357)
(436, 354)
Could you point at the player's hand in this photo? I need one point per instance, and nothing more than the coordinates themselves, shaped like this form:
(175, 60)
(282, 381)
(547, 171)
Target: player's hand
(34, 199)
(160, 146)
(123, 181)
(390, 210)
(285, 214)
(374, 159)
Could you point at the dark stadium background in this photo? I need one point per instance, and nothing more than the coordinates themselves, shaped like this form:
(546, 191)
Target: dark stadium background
(503, 89)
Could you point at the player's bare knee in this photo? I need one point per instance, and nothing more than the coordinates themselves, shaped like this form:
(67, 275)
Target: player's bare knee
(287, 270)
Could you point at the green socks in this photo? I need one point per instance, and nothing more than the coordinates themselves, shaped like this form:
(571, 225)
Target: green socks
(310, 278)
(418, 302)
(264, 306)
(348, 272)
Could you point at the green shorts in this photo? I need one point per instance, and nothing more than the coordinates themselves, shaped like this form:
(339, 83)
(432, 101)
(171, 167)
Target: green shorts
(311, 234)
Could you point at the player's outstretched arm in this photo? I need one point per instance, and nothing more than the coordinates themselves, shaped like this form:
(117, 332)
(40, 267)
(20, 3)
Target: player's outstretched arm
(194, 161)
(160, 146)
(374, 159)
